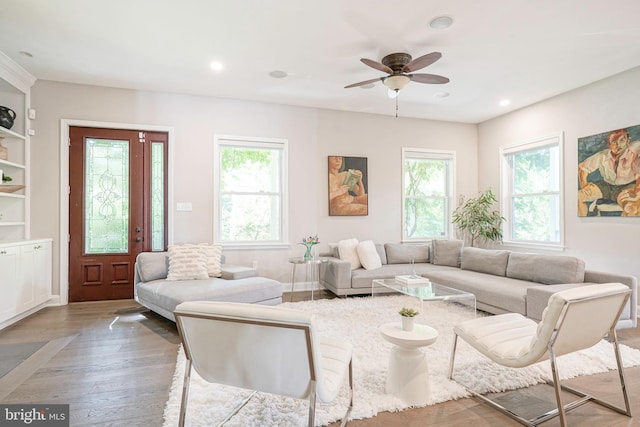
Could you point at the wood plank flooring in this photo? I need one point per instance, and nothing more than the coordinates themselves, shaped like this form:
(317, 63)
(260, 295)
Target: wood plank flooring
(113, 362)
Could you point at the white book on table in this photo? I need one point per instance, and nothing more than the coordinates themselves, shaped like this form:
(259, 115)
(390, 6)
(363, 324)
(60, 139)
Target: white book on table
(412, 279)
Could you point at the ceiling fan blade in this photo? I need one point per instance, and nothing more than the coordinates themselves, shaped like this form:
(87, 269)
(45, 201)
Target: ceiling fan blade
(366, 82)
(433, 79)
(375, 64)
(421, 62)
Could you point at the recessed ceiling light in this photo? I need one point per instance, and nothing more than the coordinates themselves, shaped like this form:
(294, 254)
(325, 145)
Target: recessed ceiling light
(278, 74)
(504, 102)
(441, 22)
(25, 53)
(217, 66)
(441, 94)
(367, 86)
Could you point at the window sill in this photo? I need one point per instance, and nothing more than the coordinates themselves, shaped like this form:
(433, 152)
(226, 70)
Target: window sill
(539, 246)
(254, 246)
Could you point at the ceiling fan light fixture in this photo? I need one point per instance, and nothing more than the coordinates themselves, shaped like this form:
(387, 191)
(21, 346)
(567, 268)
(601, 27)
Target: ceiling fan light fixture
(396, 82)
(278, 74)
(441, 22)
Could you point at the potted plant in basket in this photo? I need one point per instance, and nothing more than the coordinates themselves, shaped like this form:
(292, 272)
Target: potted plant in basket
(407, 315)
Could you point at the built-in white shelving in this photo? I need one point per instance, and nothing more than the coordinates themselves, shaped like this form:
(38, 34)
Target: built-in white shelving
(15, 93)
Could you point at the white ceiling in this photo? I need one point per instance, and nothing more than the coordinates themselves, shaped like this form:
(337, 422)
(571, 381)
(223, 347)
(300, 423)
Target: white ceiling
(524, 50)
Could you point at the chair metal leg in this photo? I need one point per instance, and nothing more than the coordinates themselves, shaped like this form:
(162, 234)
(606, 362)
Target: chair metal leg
(616, 347)
(453, 355)
(346, 416)
(185, 393)
(556, 386)
(312, 404)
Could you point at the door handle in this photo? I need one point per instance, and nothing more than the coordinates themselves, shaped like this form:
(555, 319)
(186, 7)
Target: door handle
(138, 239)
(138, 229)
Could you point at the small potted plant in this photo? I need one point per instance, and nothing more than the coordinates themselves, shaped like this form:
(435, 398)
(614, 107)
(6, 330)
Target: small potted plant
(407, 315)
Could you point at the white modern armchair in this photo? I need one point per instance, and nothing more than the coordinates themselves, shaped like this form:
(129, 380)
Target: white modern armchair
(574, 319)
(262, 348)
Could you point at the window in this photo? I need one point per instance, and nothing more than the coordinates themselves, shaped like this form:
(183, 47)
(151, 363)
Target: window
(250, 202)
(427, 181)
(531, 191)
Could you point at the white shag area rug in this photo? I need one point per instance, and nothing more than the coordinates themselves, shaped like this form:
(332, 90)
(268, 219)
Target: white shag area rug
(357, 320)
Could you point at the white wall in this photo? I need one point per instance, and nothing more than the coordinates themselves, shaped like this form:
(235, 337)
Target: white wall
(610, 244)
(313, 135)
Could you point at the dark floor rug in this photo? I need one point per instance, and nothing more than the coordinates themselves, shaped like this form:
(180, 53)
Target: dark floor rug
(12, 355)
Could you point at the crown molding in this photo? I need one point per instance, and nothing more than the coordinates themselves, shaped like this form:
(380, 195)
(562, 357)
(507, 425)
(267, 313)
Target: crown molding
(15, 74)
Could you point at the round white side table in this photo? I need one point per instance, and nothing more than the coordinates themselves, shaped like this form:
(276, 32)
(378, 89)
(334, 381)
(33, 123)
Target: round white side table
(408, 376)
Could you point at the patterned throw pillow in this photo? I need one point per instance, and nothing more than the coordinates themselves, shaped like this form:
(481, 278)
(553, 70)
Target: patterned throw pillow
(187, 262)
(214, 255)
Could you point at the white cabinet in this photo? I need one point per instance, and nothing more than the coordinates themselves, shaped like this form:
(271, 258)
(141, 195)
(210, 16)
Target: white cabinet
(25, 278)
(9, 281)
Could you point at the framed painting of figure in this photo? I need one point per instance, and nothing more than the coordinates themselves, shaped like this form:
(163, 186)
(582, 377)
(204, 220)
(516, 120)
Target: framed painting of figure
(348, 187)
(609, 173)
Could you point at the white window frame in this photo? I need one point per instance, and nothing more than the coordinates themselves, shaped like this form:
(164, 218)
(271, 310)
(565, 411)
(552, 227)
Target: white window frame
(431, 154)
(252, 142)
(506, 190)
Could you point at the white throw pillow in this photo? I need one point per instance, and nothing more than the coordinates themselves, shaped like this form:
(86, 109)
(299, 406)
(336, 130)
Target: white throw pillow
(187, 262)
(368, 255)
(348, 250)
(214, 255)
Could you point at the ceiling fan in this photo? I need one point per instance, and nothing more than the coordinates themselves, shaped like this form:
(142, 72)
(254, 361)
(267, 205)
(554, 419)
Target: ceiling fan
(400, 67)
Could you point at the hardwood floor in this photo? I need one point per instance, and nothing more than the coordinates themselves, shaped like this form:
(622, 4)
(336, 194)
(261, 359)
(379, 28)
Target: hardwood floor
(113, 363)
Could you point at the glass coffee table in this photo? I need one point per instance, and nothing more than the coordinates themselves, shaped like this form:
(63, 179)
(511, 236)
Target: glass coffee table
(423, 291)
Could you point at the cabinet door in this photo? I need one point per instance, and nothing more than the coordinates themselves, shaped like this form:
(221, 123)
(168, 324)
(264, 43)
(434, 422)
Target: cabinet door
(42, 271)
(9, 282)
(27, 293)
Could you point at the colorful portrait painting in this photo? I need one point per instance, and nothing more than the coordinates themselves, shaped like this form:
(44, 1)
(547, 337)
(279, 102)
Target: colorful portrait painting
(609, 173)
(348, 186)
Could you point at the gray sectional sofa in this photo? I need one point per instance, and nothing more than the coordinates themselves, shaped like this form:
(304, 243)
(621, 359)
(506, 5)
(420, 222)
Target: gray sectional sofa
(502, 281)
(237, 284)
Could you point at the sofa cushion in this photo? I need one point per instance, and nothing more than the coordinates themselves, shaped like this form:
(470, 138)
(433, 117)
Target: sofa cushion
(348, 249)
(447, 252)
(485, 261)
(547, 269)
(382, 253)
(152, 265)
(235, 272)
(166, 295)
(333, 250)
(497, 291)
(187, 262)
(368, 255)
(405, 254)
